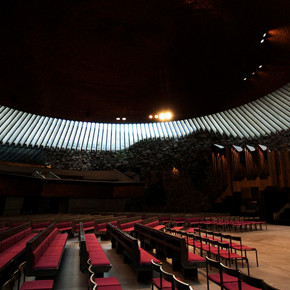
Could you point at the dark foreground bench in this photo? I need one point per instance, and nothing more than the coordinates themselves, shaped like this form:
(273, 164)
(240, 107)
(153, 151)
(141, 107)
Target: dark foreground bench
(128, 246)
(12, 245)
(44, 252)
(169, 246)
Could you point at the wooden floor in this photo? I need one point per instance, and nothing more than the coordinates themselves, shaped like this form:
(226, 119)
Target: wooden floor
(273, 247)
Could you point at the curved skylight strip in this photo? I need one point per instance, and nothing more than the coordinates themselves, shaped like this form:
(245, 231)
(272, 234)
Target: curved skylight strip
(261, 117)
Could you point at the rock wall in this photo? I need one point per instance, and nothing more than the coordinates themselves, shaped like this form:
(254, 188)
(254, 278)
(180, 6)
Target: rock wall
(170, 168)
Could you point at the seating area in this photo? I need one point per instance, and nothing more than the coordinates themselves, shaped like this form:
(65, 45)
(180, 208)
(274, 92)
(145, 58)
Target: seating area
(160, 245)
(202, 238)
(12, 246)
(128, 246)
(44, 252)
(169, 246)
(92, 254)
(232, 279)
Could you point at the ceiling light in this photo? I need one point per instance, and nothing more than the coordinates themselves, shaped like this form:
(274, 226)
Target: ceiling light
(260, 66)
(162, 116)
(118, 118)
(253, 73)
(156, 116)
(245, 79)
(265, 34)
(262, 40)
(124, 119)
(168, 115)
(150, 116)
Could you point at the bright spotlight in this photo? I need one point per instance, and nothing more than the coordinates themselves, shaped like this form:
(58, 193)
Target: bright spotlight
(262, 40)
(124, 119)
(156, 116)
(260, 66)
(265, 34)
(162, 116)
(118, 119)
(150, 116)
(168, 115)
(245, 79)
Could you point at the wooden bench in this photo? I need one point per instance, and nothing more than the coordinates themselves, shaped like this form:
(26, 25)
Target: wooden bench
(153, 222)
(91, 251)
(44, 252)
(12, 245)
(88, 225)
(169, 246)
(101, 225)
(132, 253)
(127, 225)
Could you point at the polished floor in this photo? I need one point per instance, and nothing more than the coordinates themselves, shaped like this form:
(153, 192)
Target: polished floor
(273, 247)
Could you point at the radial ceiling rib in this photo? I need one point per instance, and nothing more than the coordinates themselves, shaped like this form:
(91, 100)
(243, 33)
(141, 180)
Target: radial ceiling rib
(262, 117)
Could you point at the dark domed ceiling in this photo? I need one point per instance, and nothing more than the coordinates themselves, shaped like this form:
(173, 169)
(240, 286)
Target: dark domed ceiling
(96, 60)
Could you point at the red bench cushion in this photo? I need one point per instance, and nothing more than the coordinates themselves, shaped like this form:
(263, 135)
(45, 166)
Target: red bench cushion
(194, 258)
(37, 285)
(99, 259)
(107, 281)
(145, 257)
(5, 258)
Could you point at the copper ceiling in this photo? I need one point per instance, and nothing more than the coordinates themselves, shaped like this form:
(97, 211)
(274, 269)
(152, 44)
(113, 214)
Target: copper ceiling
(96, 60)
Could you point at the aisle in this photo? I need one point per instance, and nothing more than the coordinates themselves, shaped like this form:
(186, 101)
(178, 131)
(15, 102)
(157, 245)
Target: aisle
(70, 276)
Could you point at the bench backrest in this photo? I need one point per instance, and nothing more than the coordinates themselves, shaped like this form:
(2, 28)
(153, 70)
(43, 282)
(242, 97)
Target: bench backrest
(126, 242)
(128, 220)
(172, 246)
(15, 230)
(35, 242)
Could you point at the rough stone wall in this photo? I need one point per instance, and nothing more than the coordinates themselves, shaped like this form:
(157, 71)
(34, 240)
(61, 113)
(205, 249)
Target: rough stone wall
(152, 161)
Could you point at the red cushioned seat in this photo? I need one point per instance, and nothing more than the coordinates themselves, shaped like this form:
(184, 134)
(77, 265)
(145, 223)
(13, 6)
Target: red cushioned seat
(5, 258)
(7, 243)
(159, 227)
(235, 286)
(226, 278)
(128, 229)
(93, 248)
(194, 258)
(52, 251)
(165, 284)
(15, 249)
(145, 257)
(99, 259)
(57, 243)
(107, 281)
(115, 287)
(46, 262)
(37, 285)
